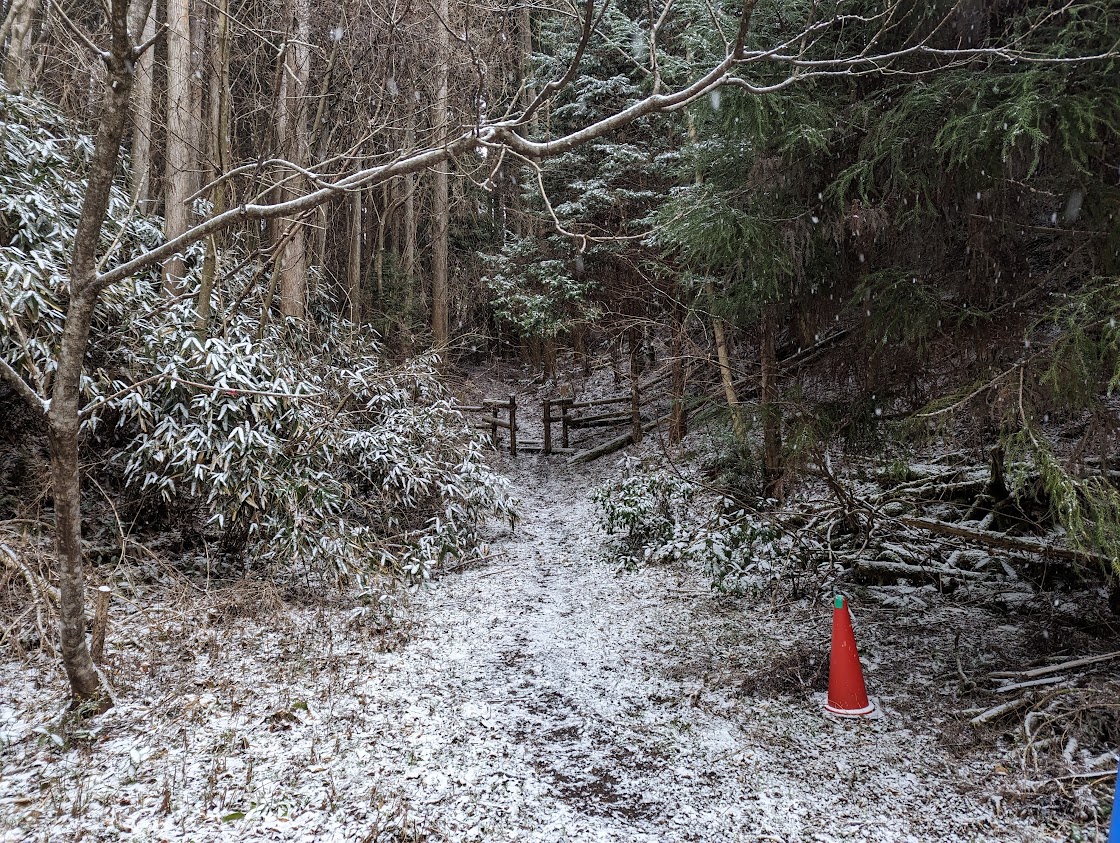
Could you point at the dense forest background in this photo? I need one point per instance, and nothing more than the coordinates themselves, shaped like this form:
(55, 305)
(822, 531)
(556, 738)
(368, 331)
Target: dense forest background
(852, 265)
(853, 230)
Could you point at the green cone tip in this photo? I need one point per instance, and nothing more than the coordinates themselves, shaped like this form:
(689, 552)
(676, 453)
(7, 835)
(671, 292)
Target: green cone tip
(839, 601)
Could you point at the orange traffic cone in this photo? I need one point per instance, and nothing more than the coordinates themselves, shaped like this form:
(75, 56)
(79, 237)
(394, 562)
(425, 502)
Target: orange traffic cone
(847, 695)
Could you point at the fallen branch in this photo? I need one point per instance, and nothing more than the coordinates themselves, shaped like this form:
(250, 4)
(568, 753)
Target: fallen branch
(44, 595)
(1005, 542)
(998, 711)
(612, 445)
(1034, 683)
(923, 573)
(1057, 668)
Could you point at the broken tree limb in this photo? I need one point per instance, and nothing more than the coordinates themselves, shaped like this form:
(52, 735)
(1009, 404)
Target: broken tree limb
(1019, 686)
(997, 711)
(923, 573)
(1058, 668)
(1000, 540)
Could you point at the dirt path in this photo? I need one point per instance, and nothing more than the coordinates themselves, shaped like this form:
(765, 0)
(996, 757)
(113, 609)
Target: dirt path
(542, 696)
(561, 701)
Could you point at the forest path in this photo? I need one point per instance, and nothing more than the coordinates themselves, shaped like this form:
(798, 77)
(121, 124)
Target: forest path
(538, 696)
(551, 664)
(556, 699)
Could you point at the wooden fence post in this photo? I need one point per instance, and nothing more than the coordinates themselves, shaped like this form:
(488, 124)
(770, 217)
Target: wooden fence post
(548, 426)
(567, 402)
(513, 424)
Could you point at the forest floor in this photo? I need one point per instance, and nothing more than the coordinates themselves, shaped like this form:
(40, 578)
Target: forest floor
(538, 695)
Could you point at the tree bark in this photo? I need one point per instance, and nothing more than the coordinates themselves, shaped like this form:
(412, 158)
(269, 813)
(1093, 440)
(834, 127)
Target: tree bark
(219, 157)
(727, 378)
(771, 413)
(678, 413)
(18, 65)
(441, 204)
(408, 238)
(529, 91)
(142, 29)
(292, 134)
(354, 264)
(635, 394)
(62, 417)
(179, 155)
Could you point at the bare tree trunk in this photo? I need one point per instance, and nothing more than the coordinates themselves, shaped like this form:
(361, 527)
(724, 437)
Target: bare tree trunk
(179, 152)
(678, 412)
(354, 264)
(198, 77)
(727, 378)
(441, 204)
(635, 396)
(318, 142)
(292, 133)
(530, 92)
(18, 65)
(771, 414)
(408, 244)
(141, 172)
(62, 417)
(219, 157)
(383, 219)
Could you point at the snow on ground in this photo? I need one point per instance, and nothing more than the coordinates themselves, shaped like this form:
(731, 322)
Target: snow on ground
(537, 696)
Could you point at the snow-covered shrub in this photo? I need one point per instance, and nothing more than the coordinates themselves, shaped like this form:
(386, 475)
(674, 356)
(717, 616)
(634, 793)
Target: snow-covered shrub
(314, 454)
(43, 162)
(649, 514)
(656, 518)
(298, 446)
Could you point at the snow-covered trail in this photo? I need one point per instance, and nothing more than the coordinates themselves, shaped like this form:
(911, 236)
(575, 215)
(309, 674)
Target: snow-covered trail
(551, 666)
(557, 700)
(541, 696)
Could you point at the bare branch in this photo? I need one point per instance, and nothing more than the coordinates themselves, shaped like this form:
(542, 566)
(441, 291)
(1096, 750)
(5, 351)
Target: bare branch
(35, 401)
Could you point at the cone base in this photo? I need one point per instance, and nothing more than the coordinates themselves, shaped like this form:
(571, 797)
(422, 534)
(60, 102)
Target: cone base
(850, 712)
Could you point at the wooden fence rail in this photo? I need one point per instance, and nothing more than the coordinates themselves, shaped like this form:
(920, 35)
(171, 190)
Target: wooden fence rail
(494, 407)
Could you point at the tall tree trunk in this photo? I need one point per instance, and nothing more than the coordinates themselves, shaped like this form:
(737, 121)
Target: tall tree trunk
(292, 134)
(319, 141)
(18, 64)
(219, 157)
(771, 414)
(441, 204)
(678, 412)
(383, 220)
(179, 155)
(354, 263)
(529, 92)
(634, 348)
(727, 378)
(62, 417)
(408, 223)
(142, 30)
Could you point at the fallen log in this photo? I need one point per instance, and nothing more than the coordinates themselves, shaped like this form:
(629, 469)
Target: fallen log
(991, 539)
(924, 573)
(612, 445)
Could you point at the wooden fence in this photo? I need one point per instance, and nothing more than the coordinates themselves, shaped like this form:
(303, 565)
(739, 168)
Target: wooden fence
(570, 415)
(494, 407)
(570, 418)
